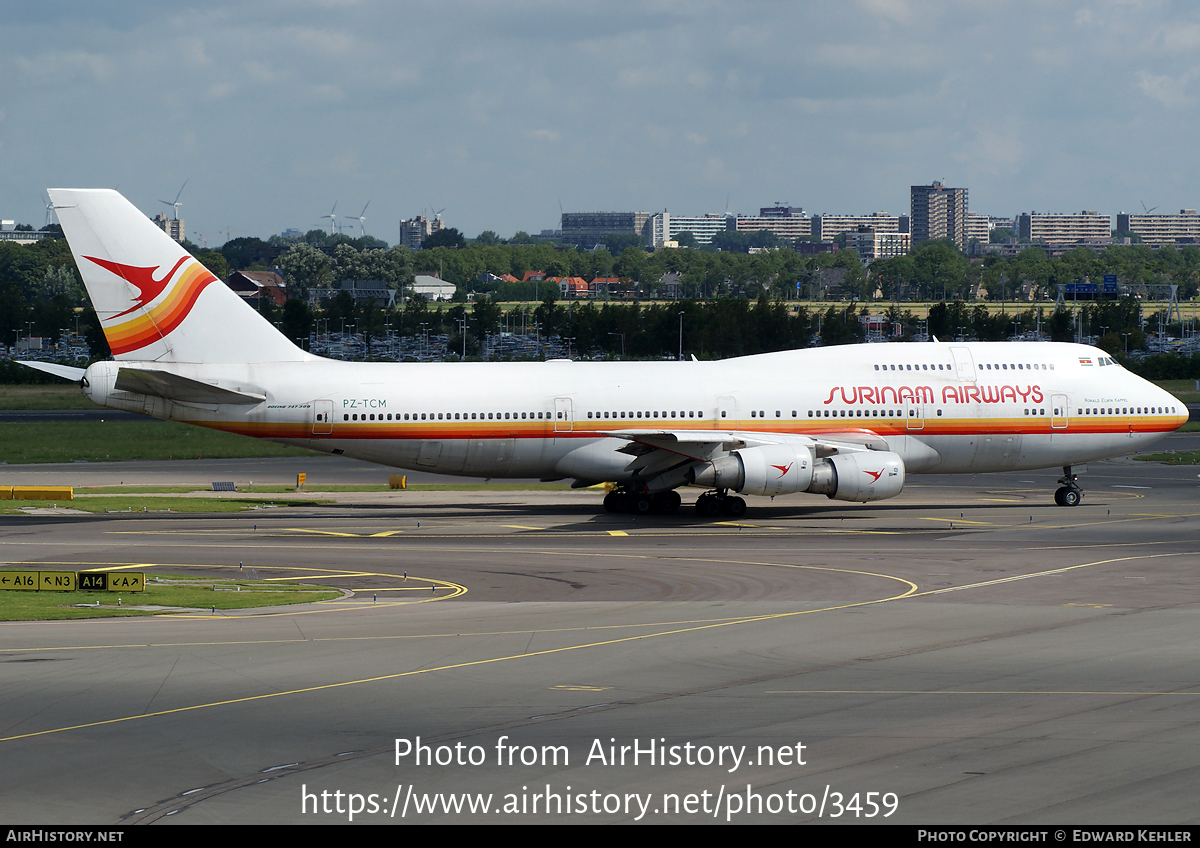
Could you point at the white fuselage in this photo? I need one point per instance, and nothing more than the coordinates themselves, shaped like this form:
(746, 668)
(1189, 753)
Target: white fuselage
(944, 408)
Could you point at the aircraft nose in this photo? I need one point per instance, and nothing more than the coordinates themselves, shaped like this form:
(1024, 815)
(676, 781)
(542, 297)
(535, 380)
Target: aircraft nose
(1177, 409)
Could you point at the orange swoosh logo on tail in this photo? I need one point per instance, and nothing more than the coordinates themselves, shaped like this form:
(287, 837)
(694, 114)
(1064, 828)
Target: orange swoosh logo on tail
(154, 323)
(140, 278)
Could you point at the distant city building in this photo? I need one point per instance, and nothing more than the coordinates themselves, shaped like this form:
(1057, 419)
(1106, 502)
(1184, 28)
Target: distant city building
(665, 228)
(1069, 228)
(787, 222)
(1163, 228)
(415, 230)
(979, 228)
(782, 212)
(829, 227)
(938, 212)
(589, 228)
(292, 233)
(871, 244)
(171, 226)
(22, 236)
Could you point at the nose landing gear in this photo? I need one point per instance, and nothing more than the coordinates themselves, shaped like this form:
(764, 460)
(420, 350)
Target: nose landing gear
(1069, 493)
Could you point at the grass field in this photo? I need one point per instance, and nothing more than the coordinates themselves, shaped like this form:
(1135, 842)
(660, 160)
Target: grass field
(73, 441)
(1185, 390)
(65, 396)
(171, 591)
(1172, 457)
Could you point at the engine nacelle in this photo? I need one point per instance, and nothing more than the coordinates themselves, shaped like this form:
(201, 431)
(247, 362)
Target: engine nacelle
(789, 469)
(99, 383)
(859, 476)
(764, 470)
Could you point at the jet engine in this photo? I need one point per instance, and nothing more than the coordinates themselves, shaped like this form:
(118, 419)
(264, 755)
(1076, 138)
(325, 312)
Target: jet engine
(788, 469)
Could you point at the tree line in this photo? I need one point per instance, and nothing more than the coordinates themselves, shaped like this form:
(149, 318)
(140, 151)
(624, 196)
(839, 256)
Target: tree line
(732, 303)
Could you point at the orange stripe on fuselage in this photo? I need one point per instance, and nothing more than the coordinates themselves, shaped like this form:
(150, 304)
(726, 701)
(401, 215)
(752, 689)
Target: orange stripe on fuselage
(506, 430)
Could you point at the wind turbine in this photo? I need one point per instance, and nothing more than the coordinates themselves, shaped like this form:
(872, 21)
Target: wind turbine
(332, 218)
(362, 216)
(49, 214)
(176, 204)
(1146, 211)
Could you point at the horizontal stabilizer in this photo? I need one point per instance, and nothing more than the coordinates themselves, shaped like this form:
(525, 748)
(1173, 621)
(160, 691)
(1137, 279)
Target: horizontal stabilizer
(151, 381)
(67, 372)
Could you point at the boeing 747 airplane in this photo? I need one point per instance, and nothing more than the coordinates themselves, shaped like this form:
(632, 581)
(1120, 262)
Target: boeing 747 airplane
(848, 422)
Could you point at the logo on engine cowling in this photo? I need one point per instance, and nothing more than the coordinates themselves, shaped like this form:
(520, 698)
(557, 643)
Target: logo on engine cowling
(784, 469)
(874, 475)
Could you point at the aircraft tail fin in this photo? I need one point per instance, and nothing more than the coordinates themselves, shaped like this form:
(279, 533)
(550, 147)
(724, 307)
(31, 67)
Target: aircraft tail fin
(154, 300)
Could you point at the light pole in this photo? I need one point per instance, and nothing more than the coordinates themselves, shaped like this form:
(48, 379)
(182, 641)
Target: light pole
(679, 358)
(1126, 335)
(622, 335)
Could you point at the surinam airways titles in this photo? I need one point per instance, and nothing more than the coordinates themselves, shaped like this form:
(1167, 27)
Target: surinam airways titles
(925, 394)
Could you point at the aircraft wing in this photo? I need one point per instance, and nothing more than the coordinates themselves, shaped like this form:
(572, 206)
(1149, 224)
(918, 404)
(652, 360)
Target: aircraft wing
(657, 450)
(164, 384)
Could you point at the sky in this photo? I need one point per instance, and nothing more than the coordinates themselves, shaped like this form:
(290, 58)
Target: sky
(503, 114)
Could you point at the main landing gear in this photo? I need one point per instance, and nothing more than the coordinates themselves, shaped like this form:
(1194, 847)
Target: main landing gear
(712, 504)
(1069, 494)
(621, 499)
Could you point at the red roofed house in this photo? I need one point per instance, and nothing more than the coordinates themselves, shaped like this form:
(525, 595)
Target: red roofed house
(255, 284)
(573, 287)
(602, 286)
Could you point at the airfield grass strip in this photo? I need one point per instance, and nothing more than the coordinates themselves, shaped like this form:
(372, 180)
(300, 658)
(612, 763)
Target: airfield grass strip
(96, 441)
(172, 591)
(64, 396)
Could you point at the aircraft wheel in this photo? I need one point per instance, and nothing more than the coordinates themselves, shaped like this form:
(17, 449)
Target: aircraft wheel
(707, 506)
(1071, 497)
(1058, 495)
(666, 503)
(616, 502)
(734, 507)
(640, 504)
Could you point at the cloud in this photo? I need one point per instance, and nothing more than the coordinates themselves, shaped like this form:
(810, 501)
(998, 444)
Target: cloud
(1168, 90)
